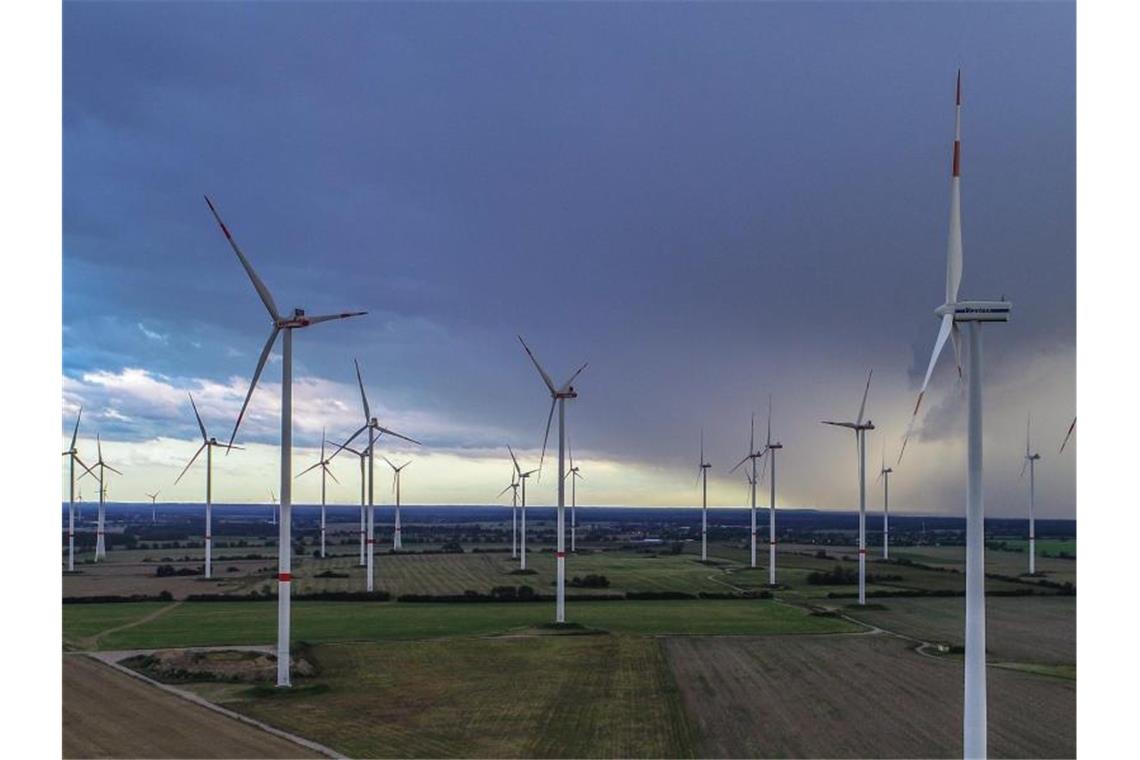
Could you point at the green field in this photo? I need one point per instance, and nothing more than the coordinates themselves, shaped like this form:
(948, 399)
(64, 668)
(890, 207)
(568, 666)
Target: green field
(524, 696)
(230, 623)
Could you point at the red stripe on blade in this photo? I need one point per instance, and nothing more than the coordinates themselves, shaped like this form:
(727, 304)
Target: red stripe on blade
(957, 158)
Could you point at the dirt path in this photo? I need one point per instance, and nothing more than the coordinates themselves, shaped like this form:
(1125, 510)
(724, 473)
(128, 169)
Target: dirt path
(92, 642)
(109, 714)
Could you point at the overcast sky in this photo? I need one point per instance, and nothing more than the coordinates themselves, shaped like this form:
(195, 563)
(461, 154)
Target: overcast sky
(709, 203)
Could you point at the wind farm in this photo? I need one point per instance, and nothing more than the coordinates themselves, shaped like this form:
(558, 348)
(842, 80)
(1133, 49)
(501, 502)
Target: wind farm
(486, 211)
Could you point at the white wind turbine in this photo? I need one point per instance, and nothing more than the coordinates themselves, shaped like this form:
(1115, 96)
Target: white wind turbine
(208, 444)
(375, 430)
(397, 542)
(885, 476)
(860, 427)
(975, 313)
(771, 449)
(100, 544)
(513, 486)
(703, 477)
(522, 478)
(558, 396)
(323, 463)
(753, 455)
(272, 507)
(363, 457)
(73, 456)
(1031, 462)
(281, 324)
(153, 512)
(575, 474)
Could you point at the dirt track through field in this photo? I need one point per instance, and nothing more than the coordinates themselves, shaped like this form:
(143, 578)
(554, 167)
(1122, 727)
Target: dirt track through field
(856, 696)
(110, 714)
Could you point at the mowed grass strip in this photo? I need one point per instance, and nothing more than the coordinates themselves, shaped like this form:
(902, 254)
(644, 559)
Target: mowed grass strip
(229, 623)
(524, 696)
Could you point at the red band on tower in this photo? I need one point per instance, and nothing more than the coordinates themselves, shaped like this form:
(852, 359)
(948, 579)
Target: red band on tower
(284, 577)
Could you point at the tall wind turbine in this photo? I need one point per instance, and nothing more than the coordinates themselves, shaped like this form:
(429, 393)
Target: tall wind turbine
(397, 542)
(860, 427)
(522, 478)
(323, 463)
(575, 474)
(753, 455)
(885, 476)
(281, 324)
(73, 456)
(558, 396)
(375, 430)
(703, 476)
(975, 313)
(100, 544)
(208, 444)
(1031, 462)
(153, 512)
(771, 449)
(513, 486)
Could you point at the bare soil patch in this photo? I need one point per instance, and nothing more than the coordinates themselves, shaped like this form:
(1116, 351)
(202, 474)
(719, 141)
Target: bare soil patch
(233, 665)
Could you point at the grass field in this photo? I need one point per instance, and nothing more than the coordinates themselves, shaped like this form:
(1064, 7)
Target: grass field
(522, 696)
(857, 696)
(229, 623)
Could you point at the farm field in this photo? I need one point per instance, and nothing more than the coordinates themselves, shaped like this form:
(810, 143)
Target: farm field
(110, 714)
(514, 696)
(108, 626)
(856, 696)
(1022, 629)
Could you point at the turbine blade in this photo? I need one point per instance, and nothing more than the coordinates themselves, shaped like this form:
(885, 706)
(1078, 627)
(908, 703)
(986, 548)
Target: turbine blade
(188, 464)
(402, 437)
(1024, 464)
(850, 425)
(307, 469)
(389, 461)
(769, 441)
(518, 469)
(112, 469)
(752, 435)
(198, 417)
(1071, 429)
(863, 405)
(566, 385)
(702, 448)
(327, 317)
(943, 333)
(330, 473)
(742, 461)
(344, 445)
(954, 242)
(266, 297)
(84, 466)
(1026, 436)
(546, 436)
(256, 375)
(322, 444)
(99, 448)
(512, 485)
(75, 432)
(545, 377)
(363, 396)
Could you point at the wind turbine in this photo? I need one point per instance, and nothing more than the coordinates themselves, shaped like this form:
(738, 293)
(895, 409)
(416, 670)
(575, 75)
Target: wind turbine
(771, 449)
(975, 313)
(375, 430)
(153, 513)
(363, 457)
(208, 445)
(323, 463)
(281, 324)
(753, 454)
(558, 396)
(73, 456)
(885, 476)
(1067, 435)
(397, 542)
(1031, 462)
(860, 427)
(100, 545)
(513, 486)
(703, 476)
(574, 473)
(522, 478)
(272, 507)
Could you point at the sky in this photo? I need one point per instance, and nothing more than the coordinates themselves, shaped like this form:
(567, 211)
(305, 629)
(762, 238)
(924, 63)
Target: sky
(707, 203)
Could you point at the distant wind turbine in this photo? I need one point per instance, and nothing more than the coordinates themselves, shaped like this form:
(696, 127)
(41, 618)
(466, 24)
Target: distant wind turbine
(522, 478)
(513, 486)
(771, 449)
(208, 445)
(885, 476)
(860, 427)
(558, 396)
(153, 512)
(375, 430)
(100, 544)
(975, 313)
(397, 542)
(363, 457)
(272, 507)
(323, 463)
(703, 477)
(281, 324)
(574, 473)
(73, 456)
(1031, 462)
(753, 455)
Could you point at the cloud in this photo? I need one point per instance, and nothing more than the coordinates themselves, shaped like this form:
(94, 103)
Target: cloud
(152, 335)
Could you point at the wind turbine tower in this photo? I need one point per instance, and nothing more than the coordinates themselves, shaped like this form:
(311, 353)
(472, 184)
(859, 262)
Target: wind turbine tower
(73, 456)
(153, 512)
(575, 474)
(397, 542)
(100, 544)
(323, 463)
(753, 455)
(522, 479)
(513, 486)
(1031, 463)
(282, 323)
(771, 449)
(208, 444)
(974, 313)
(703, 475)
(885, 476)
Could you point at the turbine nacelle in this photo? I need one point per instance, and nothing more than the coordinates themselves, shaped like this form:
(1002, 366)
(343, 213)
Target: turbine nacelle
(976, 311)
